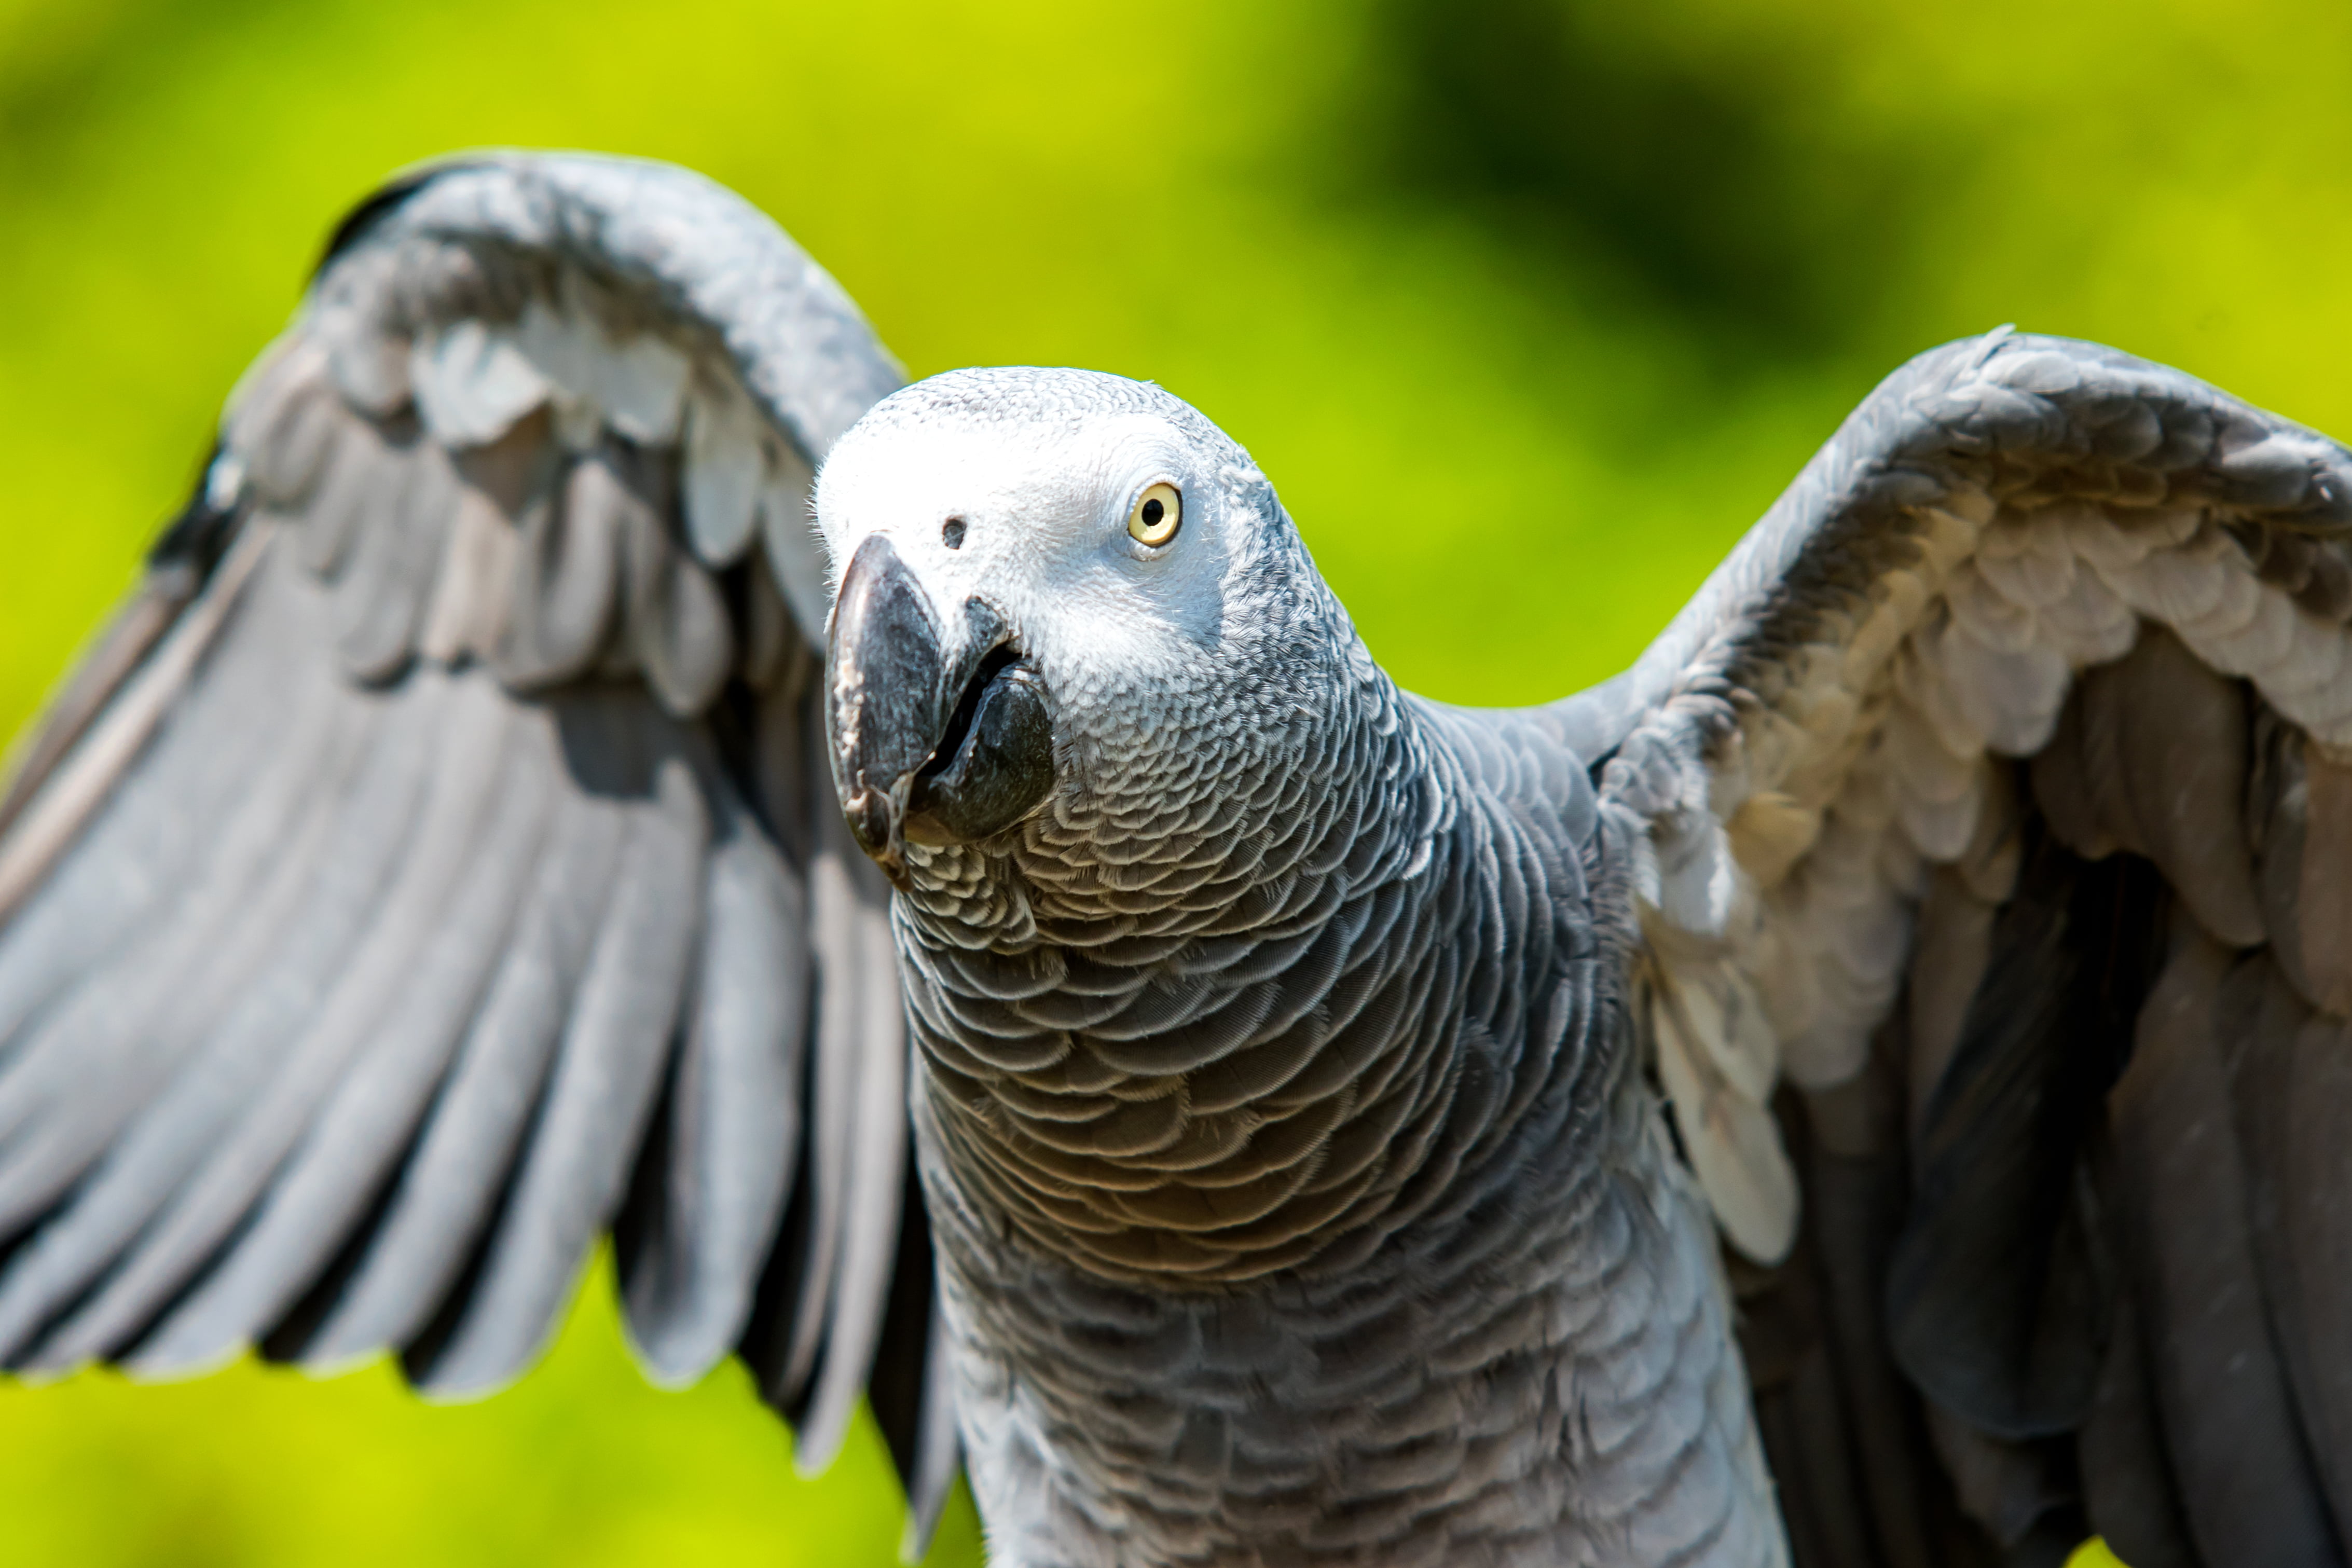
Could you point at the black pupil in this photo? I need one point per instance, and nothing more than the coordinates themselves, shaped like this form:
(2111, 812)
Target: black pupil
(952, 532)
(1152, 513)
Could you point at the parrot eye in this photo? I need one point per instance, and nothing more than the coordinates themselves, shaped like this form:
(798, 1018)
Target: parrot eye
(1157, 514)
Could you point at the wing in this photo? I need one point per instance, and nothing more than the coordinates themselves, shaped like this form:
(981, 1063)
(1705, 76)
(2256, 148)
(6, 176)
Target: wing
(1988, 815)
(435, 865)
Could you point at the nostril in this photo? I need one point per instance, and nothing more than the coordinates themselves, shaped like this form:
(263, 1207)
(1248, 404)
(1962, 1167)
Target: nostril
(952, 533)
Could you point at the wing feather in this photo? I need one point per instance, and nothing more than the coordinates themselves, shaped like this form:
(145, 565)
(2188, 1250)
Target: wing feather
(449, 1189)
(2045, 642)
(2223, 1397)
(2289, 1077)
(603, 1080)
(436, 864)
(872, 1182)
(368, 1118)
(691, 1260)
(237, 1107)
(2129, 1484)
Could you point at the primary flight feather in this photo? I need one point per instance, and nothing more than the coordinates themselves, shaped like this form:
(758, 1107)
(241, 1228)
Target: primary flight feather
(934, 872)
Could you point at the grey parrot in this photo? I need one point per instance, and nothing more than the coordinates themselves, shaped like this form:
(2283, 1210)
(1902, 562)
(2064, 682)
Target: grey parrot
(934, 874)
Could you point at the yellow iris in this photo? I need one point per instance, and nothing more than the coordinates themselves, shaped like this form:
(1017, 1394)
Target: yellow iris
(1159, 512)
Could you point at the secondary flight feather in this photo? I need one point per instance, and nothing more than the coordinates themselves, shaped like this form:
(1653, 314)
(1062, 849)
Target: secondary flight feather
(933, 872)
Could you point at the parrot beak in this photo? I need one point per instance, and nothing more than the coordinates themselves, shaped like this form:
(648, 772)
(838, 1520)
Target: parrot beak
(936, 746)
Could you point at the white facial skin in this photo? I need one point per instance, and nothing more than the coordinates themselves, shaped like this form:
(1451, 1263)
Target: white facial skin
(1044, 537)
(1044, 468)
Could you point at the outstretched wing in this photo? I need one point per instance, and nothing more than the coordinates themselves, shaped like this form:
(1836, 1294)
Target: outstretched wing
(1991, 819)
(435, 864)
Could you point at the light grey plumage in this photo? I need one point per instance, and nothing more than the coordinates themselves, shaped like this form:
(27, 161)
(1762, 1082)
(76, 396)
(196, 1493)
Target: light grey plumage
(414, 912)
(1672, 1125)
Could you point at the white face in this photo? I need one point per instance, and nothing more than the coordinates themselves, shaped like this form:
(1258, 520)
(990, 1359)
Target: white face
(1042, 524)
(1053, 584)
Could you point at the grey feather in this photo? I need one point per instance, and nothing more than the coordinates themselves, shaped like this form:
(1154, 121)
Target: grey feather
(285, 422)
(2302, 813)
(2129, 1492)
(2164, 740)
(567, 580)
(358, 491)
(153, 998)
(1951, 949)
(2042, 471)
(2228, 1418)
(136, 850)
(674, 623)
(872, 1195)
(237, 1147)
(448, 1191)
(2290, 1087)
(936, 1462)
(722, 1167)
(121, 647)
(608, 1066)
(301, 923)
(807, 357)
(45, 820)
(371, 1118)
(844, 988)
(381, 595)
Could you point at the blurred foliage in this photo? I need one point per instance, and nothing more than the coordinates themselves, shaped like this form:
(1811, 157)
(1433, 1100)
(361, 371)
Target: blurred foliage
(583, 1464)
(1529, 308)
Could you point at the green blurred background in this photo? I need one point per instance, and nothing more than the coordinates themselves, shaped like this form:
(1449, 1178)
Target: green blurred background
(1529, 308)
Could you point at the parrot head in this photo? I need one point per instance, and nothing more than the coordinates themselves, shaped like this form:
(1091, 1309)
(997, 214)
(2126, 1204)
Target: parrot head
(1067, 605)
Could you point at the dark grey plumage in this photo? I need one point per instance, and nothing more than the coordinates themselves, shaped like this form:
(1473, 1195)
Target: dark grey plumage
(1318, 1094)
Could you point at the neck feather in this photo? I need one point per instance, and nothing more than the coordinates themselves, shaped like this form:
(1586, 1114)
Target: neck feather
(1222, 1046)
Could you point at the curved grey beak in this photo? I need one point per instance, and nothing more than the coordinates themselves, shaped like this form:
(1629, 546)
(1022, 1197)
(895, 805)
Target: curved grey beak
(937, 738)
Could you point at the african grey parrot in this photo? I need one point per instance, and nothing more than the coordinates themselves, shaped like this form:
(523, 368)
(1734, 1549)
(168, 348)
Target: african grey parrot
(1865, 1085)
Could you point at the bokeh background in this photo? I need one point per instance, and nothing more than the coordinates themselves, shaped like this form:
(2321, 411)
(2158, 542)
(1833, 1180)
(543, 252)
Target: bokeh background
(1530, 307)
